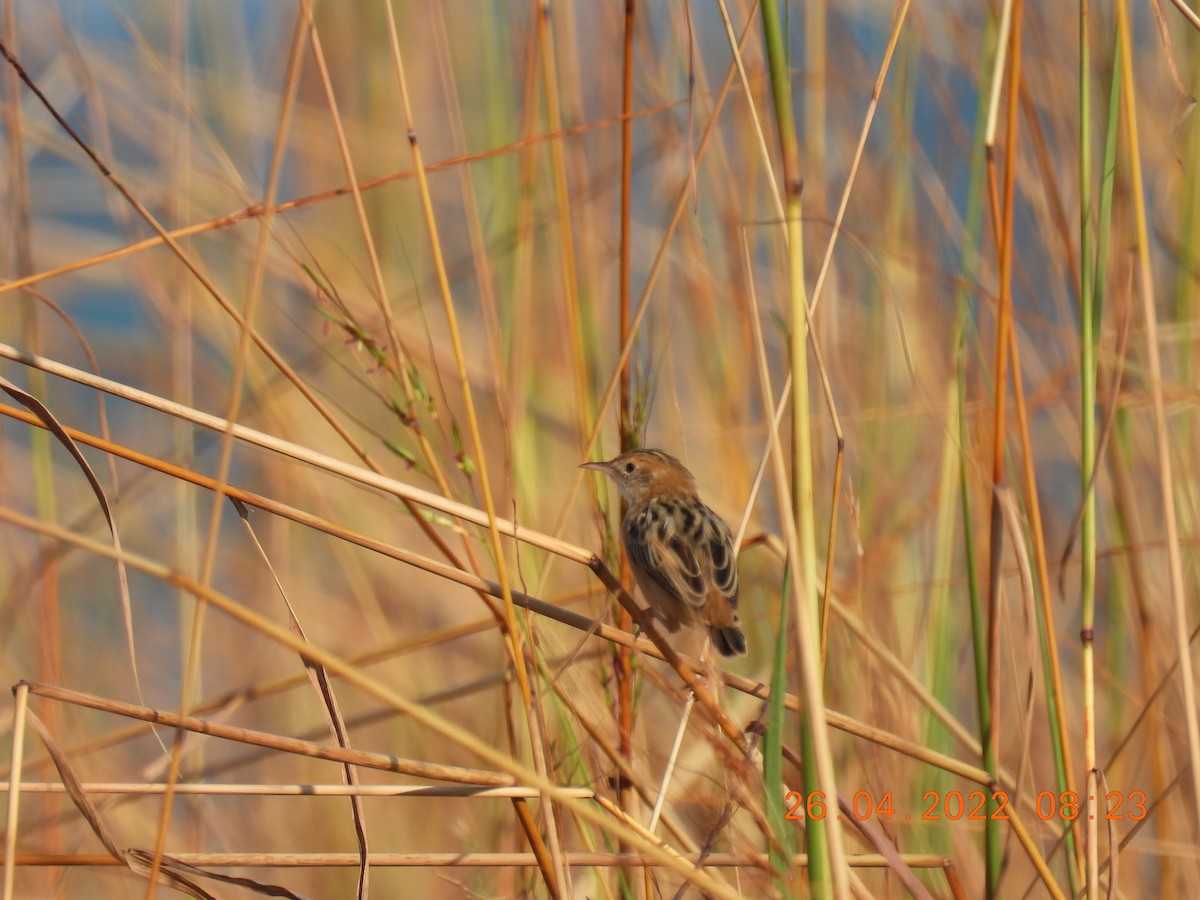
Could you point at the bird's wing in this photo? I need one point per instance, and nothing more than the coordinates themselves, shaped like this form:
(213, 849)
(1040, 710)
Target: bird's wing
(722, 557)
(685, 547)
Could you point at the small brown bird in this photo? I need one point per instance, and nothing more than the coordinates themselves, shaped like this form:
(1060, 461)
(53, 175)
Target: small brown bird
(681, 552)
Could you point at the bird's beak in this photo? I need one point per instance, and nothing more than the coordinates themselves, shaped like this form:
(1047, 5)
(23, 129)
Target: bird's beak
(605, 467)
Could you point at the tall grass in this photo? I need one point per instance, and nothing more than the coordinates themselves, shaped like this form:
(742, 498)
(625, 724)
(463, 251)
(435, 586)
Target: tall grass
(310, 312)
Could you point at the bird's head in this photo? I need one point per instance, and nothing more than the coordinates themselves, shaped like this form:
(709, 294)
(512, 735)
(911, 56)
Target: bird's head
(642, 474)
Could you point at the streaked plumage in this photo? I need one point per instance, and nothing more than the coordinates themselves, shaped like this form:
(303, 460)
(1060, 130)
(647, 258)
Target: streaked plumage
(681, 552)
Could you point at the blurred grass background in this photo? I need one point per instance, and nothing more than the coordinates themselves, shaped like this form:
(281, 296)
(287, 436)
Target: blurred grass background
(204, 111)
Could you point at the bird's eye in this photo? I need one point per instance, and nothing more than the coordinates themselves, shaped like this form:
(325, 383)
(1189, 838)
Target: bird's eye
(629, 468)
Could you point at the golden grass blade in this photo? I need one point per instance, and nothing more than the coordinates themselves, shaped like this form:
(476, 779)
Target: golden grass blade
(382, 761)
(11, 817)
(481, 860)
(1166, 481)
(556, 878)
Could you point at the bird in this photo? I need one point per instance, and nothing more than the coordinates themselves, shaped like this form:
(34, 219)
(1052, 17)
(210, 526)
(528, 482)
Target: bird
(680, 551)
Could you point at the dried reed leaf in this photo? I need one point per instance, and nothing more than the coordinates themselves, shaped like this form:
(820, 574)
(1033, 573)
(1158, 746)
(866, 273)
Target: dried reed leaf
(52, 424)
(337, 724)
(138, 861)
(175, 869)
(75, 788)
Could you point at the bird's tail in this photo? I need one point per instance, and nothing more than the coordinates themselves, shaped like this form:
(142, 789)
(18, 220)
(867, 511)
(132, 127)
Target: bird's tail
(728, 640)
